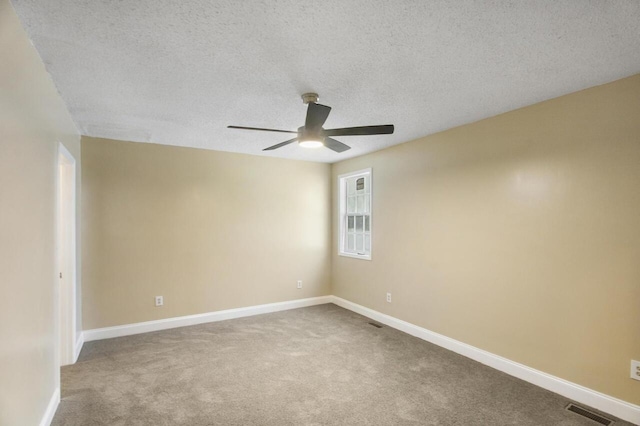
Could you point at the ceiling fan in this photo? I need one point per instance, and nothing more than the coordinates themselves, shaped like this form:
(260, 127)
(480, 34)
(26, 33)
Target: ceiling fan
(312, 135)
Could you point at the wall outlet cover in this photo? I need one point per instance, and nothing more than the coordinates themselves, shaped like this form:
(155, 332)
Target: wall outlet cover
(299, 283)
(635, 369)
(159, 301)
(389, 297)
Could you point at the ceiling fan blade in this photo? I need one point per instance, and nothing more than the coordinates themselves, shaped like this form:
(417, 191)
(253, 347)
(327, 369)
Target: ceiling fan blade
(280, 145)
(261, 129)
(335, 145)
(316, 115)
(386, 129)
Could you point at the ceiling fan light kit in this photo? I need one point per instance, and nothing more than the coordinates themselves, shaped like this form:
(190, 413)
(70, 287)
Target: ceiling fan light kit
(313, 135)
(308, 138)
(311, 143)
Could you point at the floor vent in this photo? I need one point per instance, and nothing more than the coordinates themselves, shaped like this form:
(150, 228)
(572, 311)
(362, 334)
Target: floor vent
(375, 325)
(590, 415)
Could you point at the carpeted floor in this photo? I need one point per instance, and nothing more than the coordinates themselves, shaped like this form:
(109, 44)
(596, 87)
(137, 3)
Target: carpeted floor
(321, 365)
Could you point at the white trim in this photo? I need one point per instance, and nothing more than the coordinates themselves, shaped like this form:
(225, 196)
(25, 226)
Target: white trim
(78, 348)
(167, 323)
(356, 173)
(67, 292)
(356, 256)
(47, 418)
(605, 403)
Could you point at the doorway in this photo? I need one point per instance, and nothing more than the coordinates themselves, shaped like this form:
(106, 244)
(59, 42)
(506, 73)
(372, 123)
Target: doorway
(66, 227)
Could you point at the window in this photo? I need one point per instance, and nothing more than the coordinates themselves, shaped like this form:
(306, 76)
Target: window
(355, 214)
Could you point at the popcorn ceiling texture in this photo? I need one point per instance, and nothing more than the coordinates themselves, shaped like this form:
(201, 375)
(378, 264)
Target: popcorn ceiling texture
(178, 73)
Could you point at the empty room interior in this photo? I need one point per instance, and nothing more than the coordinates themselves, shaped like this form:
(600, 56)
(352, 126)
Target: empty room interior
(320, 213)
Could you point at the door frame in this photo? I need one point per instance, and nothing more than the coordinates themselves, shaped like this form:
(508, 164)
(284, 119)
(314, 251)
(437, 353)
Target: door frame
(66, 259)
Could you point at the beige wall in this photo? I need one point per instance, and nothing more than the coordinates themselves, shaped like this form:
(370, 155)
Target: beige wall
(33, 119)
(518, 234)
(207, 230)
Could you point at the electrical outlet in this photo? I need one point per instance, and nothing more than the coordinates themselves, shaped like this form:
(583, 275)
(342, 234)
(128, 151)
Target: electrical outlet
(389, 297)
(635, 369)
(159, 301)
(299, 283)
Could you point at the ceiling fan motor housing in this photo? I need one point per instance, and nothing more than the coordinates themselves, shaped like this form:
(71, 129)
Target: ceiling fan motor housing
(305, 134)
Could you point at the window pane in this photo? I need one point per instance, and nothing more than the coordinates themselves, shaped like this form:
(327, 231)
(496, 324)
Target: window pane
(351, 204)
(355, 211)
(351, 245)
(351, 186)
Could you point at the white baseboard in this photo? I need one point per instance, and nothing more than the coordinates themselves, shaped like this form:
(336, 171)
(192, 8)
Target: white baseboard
(581, 394)
(47, 418)
(164, 324)
(78, 348)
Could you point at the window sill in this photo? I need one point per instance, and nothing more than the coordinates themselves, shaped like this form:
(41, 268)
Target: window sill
(355, 256)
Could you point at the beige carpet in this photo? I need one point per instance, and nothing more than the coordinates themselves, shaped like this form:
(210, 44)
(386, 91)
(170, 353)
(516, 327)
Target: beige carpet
(321, 365)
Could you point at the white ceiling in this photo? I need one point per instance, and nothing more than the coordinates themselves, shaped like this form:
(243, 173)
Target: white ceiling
(179, 72)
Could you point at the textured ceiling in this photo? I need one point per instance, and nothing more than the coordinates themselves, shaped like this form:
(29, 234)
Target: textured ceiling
(179, 72)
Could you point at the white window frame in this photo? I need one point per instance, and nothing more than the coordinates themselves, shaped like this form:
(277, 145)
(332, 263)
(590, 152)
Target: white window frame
(342, 184)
